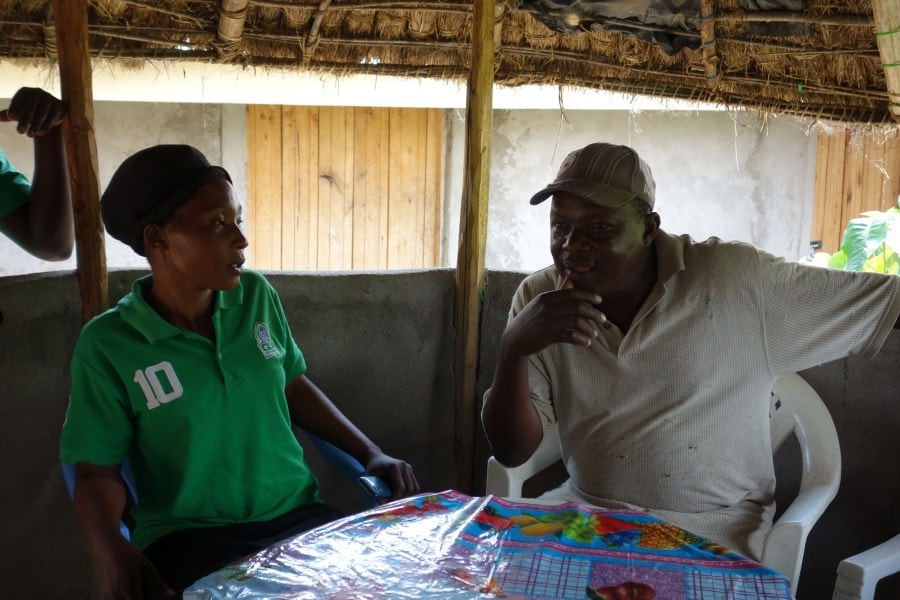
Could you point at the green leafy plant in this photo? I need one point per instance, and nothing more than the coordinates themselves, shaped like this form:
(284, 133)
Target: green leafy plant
(871, 242)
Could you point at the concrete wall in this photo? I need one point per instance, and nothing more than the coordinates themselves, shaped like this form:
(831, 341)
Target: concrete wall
(381, 346)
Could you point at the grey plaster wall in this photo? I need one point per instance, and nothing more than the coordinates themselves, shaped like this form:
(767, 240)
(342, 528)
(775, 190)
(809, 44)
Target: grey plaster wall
(863, 397)
(380, 345)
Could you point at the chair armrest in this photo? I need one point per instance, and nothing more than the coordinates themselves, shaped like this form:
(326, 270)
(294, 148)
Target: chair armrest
(858, 575)
(820, 478)
(789, 533)
(508, 481)
(344, 463)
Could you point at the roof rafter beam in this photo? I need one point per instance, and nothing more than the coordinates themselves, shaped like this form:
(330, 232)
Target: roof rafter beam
(312, 36)
(229, 37)
(887, 34)
(457, 7)
(786, 16)
(708, 37)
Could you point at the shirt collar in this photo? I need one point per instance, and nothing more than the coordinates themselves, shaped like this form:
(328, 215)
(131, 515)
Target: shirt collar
(136, 312)
(669, 255)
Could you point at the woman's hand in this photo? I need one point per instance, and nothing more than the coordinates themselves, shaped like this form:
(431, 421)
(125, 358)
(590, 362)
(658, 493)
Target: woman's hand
(398, 473)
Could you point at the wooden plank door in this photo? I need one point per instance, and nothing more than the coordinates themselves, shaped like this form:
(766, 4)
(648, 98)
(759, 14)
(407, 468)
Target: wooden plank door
(856, 171)
(342, 188)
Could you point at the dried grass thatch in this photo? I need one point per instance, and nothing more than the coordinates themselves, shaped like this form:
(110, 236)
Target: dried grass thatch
(827, 67)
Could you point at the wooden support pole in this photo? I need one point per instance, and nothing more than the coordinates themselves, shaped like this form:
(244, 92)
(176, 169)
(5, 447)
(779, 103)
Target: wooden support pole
(76, 87)
(473, 235)
(887, 35)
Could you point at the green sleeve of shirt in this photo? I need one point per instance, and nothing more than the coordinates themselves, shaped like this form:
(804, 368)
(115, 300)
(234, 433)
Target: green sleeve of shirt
(97, 429)
(14, 187)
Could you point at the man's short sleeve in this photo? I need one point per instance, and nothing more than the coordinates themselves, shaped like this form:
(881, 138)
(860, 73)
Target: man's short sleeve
(815, 315)
(14, 187)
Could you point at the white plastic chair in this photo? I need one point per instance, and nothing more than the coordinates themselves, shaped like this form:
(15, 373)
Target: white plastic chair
(858, 575)
(795, 408)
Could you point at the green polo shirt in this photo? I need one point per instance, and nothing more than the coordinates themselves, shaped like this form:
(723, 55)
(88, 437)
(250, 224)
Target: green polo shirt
(14, 187)
(204, 424)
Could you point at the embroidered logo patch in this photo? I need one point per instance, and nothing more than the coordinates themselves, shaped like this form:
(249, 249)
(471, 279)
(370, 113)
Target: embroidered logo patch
(264, 340)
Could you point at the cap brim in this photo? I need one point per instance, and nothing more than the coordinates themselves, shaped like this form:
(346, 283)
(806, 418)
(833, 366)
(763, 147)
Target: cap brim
(598, 193)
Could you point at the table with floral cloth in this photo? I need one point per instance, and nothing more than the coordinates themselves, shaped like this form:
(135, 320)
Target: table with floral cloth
(450, 545)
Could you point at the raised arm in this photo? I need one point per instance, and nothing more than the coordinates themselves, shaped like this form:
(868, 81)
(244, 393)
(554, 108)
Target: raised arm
(43, 226)
(511, 422)
(123, 572)
(311, 410)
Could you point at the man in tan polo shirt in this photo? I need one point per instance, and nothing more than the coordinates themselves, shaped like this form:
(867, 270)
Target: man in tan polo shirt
(656, 354)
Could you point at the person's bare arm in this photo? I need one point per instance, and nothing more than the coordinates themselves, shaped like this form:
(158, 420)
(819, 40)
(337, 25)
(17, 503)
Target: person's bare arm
(122, 570)
(43, 226)
(511, 422)
(311, 410)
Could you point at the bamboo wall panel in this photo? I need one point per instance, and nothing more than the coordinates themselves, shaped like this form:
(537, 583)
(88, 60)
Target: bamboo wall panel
(856, 171)
(342, 188)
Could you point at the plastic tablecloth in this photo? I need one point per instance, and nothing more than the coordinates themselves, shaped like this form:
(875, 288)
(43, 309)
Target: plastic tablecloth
(450, 545)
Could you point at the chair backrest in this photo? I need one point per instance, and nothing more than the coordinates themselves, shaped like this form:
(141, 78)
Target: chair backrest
(795, 408)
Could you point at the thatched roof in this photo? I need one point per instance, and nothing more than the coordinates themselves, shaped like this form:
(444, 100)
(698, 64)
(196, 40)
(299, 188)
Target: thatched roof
(820, 61)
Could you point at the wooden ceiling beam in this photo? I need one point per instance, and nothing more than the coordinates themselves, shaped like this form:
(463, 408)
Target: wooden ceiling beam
(229, 36)
(439, 6)
(887, 34)
(312, 36)
(711, 58)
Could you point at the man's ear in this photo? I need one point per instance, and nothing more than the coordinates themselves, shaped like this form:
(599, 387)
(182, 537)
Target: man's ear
(154, 238)
(651, 228)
